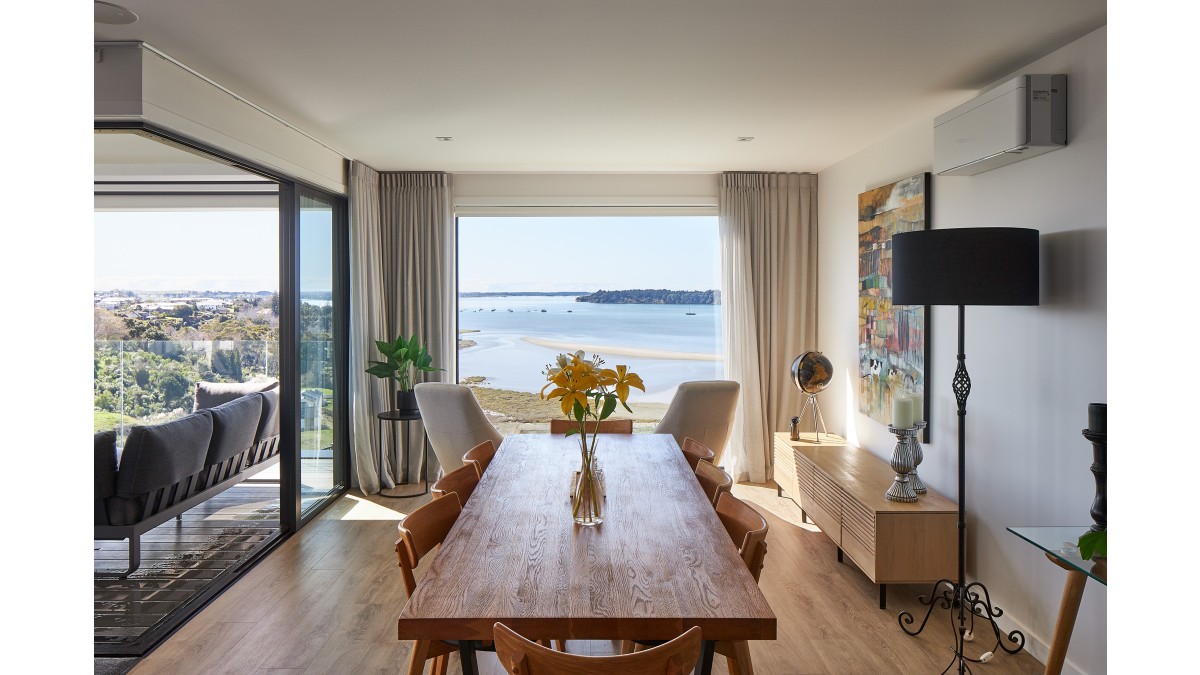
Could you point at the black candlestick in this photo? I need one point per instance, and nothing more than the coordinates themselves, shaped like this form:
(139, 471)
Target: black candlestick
(1097, 433)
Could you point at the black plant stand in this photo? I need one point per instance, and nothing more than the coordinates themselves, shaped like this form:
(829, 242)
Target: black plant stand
(406, 417)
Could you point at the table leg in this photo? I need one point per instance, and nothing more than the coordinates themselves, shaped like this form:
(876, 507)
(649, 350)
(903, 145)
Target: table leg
(404, 456)
(704, 665)
(466, 653)
(882, 596)
(1067, 611)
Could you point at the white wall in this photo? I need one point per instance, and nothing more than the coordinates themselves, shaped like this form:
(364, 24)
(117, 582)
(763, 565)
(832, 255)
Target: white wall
(1033, 369)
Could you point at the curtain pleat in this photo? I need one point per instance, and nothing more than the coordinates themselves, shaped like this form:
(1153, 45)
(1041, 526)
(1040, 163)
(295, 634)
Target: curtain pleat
(418, 241)
(768, 225)
(368, 322)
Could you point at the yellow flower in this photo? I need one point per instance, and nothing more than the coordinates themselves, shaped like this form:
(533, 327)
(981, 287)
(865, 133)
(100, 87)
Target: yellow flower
(625, 380)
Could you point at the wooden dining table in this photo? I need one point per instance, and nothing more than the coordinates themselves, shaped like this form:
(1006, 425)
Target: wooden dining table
(660, 563)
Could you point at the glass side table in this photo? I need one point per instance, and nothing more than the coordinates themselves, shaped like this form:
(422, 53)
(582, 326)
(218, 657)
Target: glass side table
(1059, 545)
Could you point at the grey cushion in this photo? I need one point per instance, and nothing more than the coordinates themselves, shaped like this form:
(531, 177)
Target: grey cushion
(106, 472)
(160, 455)
(268, 423)
(213, 394)
(234, 426)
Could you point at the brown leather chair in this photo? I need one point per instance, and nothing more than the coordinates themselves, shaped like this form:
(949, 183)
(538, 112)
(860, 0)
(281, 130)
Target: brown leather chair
(562, 426)
(714, 481)
(461, 480)
(424, 529)
(481, 455)
(748, 529)
(522, 657)
(696, 452)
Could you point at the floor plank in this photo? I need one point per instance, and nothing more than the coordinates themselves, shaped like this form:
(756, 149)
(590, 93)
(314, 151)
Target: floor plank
(326, 602)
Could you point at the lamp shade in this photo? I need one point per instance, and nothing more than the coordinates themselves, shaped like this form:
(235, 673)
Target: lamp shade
(965, 266)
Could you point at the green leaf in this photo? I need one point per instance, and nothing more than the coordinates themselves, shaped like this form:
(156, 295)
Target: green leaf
(385, 348)
(413, 346)
(626, 406)
(571, 432)
(381, 370)
(579, 411)
(610, 404)
(1093, 544)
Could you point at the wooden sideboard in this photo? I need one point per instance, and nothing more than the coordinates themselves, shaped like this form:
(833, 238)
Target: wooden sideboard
(841, 489)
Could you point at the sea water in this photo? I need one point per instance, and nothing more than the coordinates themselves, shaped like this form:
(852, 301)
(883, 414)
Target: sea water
(509, 362)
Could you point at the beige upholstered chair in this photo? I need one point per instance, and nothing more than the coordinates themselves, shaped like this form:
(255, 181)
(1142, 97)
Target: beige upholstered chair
(704, 411)
(454, 422)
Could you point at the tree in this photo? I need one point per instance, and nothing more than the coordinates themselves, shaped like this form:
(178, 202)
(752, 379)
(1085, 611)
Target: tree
(108, 326)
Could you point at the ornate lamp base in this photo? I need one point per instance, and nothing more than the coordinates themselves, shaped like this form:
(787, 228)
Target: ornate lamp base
(968, 602)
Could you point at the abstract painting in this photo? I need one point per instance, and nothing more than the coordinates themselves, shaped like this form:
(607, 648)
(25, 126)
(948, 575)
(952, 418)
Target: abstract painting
(892, 342)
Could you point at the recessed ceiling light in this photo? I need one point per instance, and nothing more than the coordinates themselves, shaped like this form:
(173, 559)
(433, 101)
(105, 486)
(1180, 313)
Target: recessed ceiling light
(745, 139)
(106, 12)
(444, 138)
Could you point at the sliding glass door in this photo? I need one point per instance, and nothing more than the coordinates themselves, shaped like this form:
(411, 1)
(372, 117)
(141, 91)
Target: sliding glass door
(320, 353)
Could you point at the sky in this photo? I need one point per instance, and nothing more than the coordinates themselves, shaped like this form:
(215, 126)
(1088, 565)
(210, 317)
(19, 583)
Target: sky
(207, 250)
(551, 253)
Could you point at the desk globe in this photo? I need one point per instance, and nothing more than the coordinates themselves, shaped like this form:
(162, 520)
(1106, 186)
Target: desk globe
(812, 372)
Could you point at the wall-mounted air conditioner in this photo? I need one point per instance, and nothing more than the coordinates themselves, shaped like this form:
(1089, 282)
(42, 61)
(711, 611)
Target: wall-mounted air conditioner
(1022, 118)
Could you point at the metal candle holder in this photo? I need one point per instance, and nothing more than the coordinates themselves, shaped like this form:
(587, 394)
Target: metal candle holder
(914, 480)
(904, 460)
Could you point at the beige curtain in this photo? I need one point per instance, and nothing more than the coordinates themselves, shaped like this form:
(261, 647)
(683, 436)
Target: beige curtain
(368, 322)
(402, 275)
(419, 275)
(768, 224)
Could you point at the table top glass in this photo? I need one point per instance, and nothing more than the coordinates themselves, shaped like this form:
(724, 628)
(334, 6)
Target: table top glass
(1060, 542)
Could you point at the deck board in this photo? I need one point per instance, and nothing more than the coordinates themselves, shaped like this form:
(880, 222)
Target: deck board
(181, 559)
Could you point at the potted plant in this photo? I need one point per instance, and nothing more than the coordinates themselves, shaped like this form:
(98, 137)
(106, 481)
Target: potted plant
(404, 357)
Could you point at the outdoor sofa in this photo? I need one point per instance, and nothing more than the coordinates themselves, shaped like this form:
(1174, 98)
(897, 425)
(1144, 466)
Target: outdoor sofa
(166, 469)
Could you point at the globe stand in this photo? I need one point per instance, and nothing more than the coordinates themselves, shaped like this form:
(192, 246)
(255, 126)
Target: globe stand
(811, 372)
(811, 402)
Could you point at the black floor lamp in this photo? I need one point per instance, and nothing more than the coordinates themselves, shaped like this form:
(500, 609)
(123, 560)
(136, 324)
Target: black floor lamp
(966, 266)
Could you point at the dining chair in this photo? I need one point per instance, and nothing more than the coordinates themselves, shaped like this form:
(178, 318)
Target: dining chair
(523, 657)
(696, 452)
(461, 481)
(454, 421)
(702, 410)
(623, 426)
(713, 480)
(424, 529)
(480, 456)
(748, 530)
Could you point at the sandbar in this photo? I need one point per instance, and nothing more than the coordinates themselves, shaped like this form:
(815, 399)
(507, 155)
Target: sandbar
(623, 351)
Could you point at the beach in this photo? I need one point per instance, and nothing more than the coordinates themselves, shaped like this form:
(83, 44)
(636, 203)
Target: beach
(608, 350)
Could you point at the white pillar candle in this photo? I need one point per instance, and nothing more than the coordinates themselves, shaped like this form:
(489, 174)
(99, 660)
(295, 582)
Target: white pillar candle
(902, 412)
(918, 407)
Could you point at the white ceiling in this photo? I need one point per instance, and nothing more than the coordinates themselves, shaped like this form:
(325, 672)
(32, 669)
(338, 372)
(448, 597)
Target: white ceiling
(614, 85)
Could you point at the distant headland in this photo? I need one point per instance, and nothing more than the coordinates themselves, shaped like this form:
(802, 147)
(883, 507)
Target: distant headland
(652, 296)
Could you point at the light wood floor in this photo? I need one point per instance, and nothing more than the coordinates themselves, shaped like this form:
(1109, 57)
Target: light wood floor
(326, 602)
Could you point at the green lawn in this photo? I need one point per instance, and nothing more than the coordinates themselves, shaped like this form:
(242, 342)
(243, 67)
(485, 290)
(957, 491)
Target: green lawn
(104, 420)
(309, 438)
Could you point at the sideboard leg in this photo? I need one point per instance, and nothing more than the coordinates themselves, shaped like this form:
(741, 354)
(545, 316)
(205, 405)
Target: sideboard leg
(839, 554)
(882, 596)
(803, 517)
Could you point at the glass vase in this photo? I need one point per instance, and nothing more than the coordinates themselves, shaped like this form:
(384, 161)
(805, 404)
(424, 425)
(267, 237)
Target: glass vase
(587, 499)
